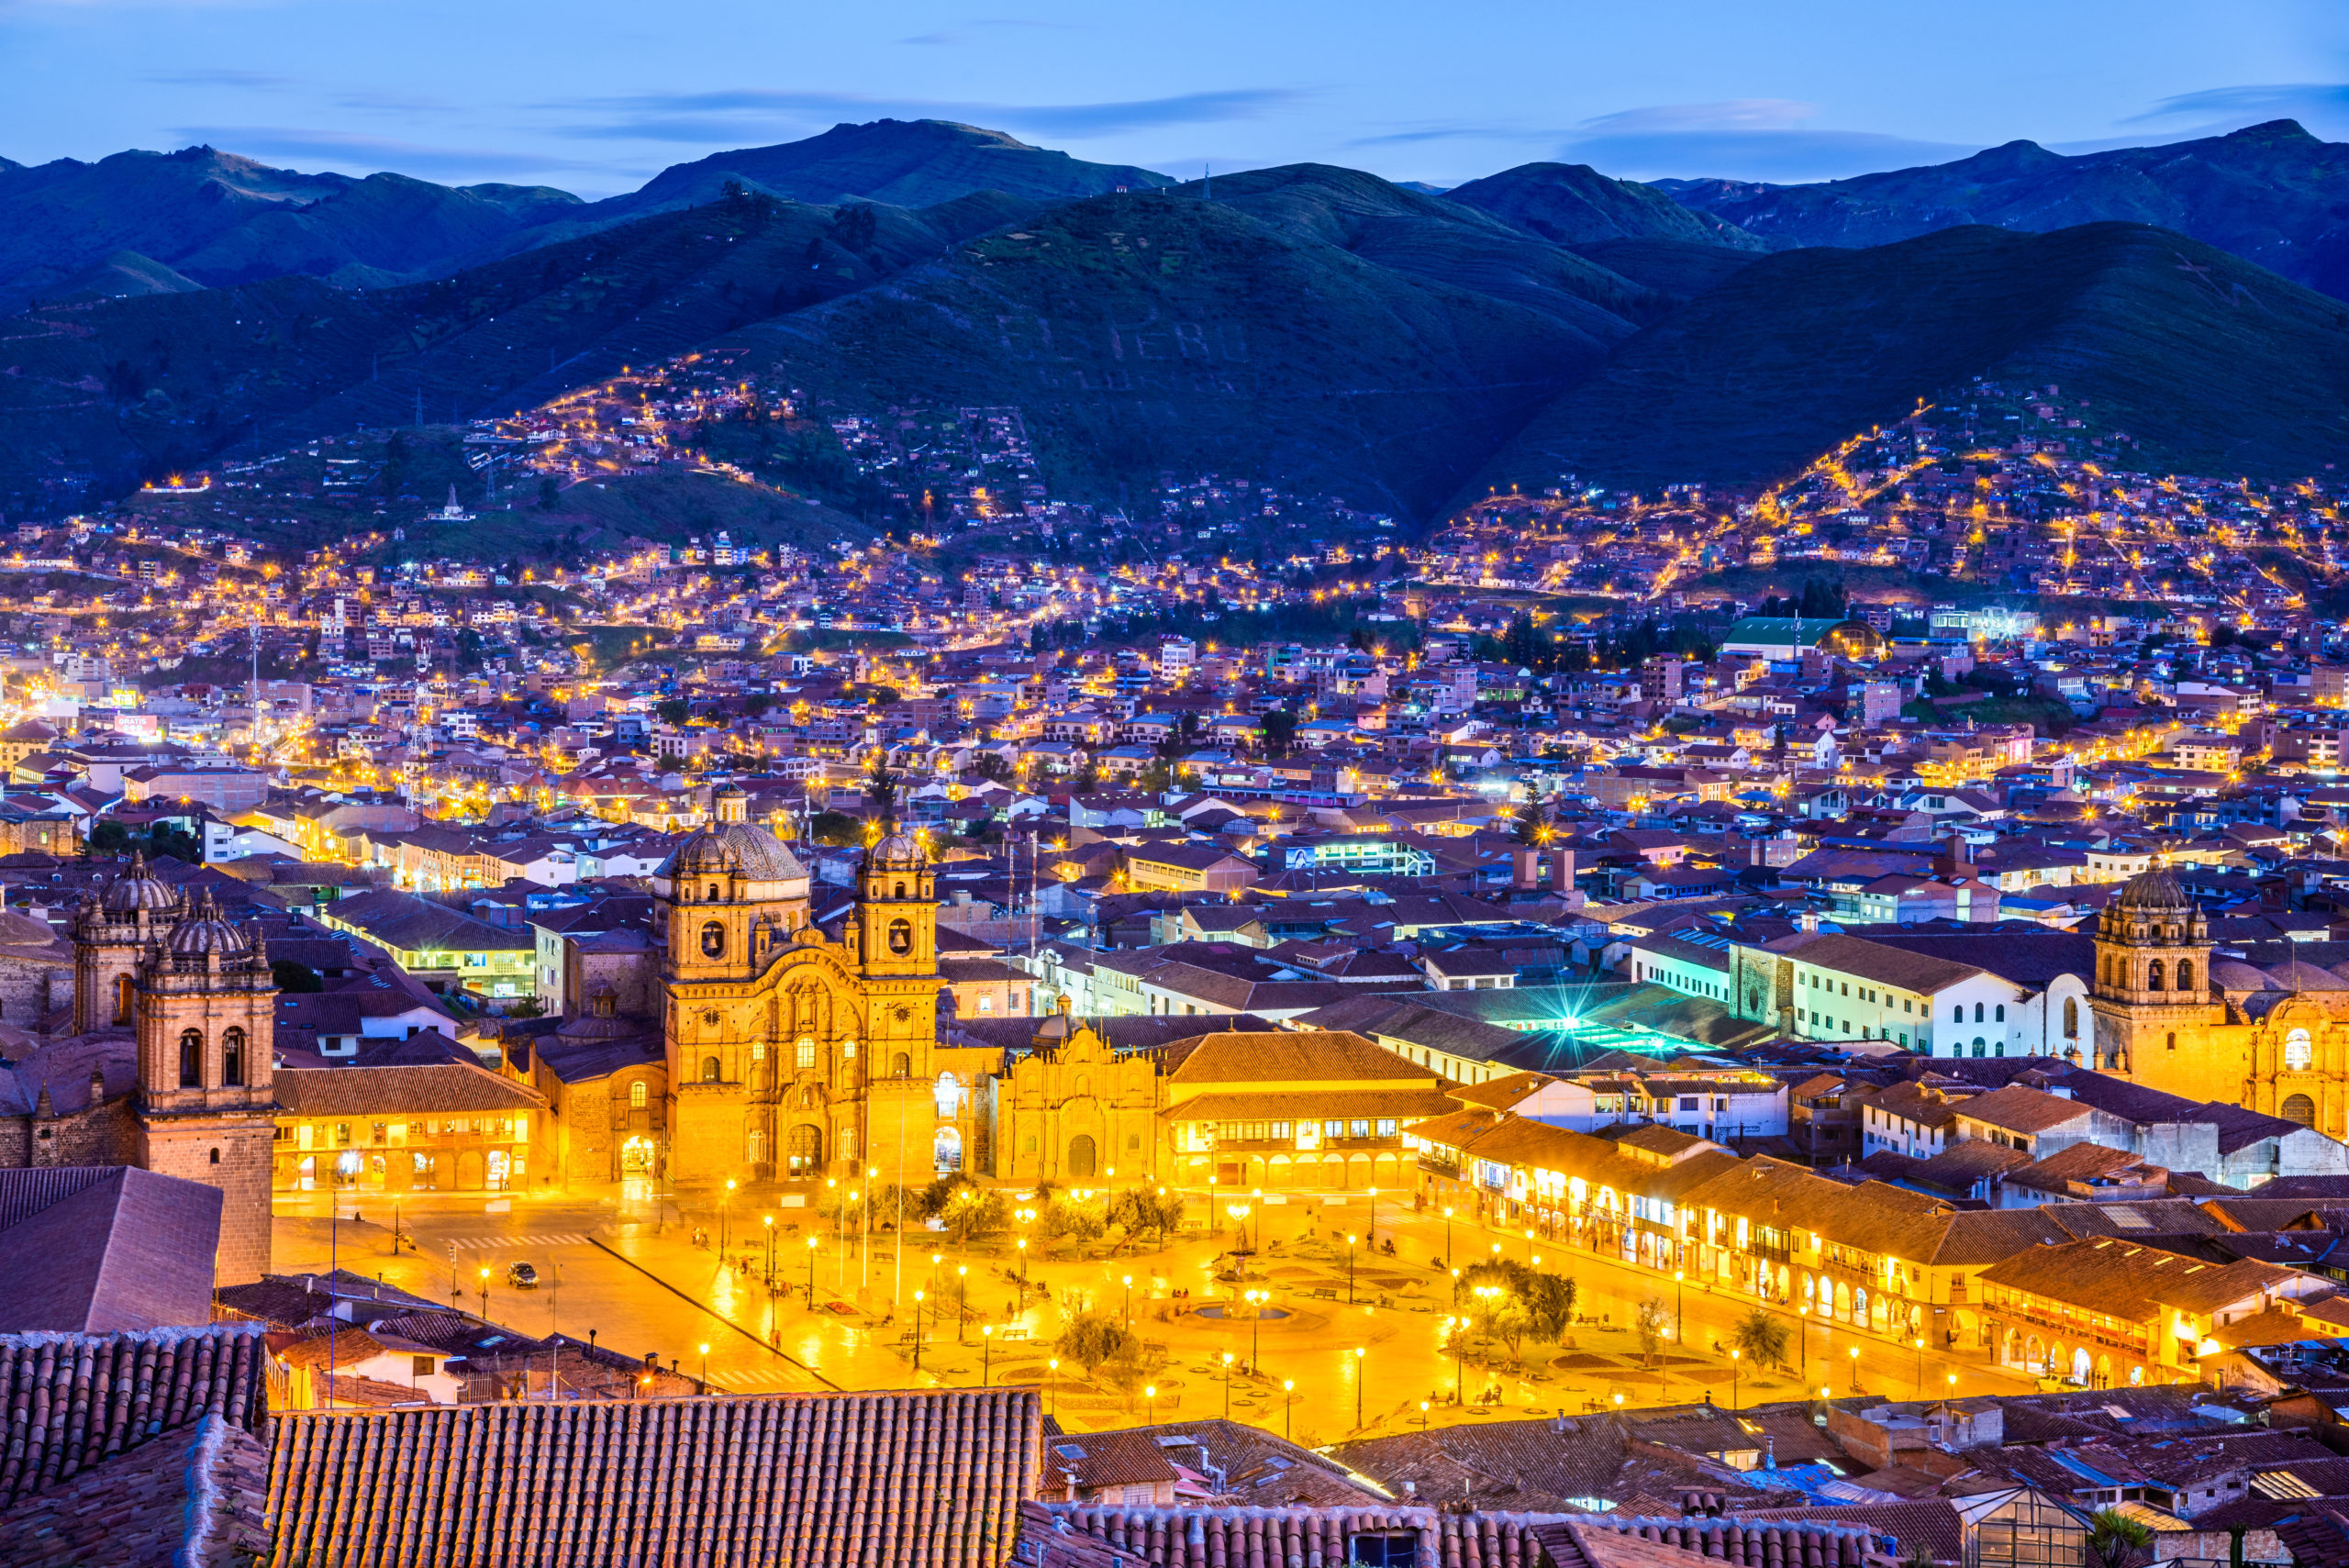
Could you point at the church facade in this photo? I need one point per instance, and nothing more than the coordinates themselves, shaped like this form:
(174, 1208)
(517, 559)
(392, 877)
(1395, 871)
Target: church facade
(791, 1057)
(2169, 1016)
(166, 1061)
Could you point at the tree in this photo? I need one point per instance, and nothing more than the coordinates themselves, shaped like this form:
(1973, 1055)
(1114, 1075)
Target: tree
(1650, 1325)
(881, 787)
(1280, 729)
(676, 710)
(1520, 643)
(1136, 1211)
(836, 829)
(1068, 1218)
(991, 765)
(1533, 820)
(1550, 1302)
(2116, 1541)
(293, 977)
(1090, 1339)
(1761, 1336)
(975, 1211)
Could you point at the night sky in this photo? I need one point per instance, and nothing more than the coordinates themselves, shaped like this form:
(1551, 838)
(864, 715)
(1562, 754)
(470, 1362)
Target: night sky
(596, 96)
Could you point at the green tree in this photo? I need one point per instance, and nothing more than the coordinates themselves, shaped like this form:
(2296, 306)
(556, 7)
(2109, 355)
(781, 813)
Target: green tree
(1135, 1210)
(881, 783)
(1549, 1300)
(294, 978)
(1280, 730)
(1761, 1336)
(2117, 1541)
(836, 829)
(1090, 1338)
(1532, 824)
(676, 710)
(1520, 643)
(1068, 1218)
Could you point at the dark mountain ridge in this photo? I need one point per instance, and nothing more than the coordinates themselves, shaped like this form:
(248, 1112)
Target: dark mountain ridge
(1572, 204)
(2271, 193)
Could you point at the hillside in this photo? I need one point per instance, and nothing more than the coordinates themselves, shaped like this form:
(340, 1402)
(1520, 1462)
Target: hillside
(217, 219)
(907, 163)
(1140, 332)
(1572, 204)
(2271, 193)
(103, 394)
(2213, 365)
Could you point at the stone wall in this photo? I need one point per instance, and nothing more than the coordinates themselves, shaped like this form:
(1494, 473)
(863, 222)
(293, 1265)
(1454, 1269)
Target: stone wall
(232, 1153)
(32, 986)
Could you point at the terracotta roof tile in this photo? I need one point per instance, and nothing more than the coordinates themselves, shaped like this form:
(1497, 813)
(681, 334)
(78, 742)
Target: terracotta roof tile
(75, 1399)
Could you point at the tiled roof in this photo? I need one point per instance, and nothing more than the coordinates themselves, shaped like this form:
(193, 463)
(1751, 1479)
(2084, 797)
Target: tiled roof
(1311, 1056)
(130, 1250)
(923, 1479)
(75, 1399)
(1272, 1537)
(191, 1500)
(452, 1086)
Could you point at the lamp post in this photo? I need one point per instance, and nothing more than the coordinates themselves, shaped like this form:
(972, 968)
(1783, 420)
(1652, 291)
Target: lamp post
(962, 1295)
(484, 1292)
(1802, 1340)
(725, 1206)
(1459, 1378)
(987, 1353)
(1256, 1299)
(1679, 1305)
(918, 1300)
(1447, 1236)
(1227, 1386)
(1350, 1268)
(769, 1226)
(1022, 1245)
(1732, 1379)
(811, 1274)
(1288, 1405)
(704, 1369)
(1921, 1368)
(1371, 1229)
(1260, 1220)
(1149, 1393)
(1051, 1385)
(1855, 1369)
(1358, 1354)
(1129, 1304)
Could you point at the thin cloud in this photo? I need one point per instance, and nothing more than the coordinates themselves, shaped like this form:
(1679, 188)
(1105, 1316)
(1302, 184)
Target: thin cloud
(2248, 104)
(1741, 138)
(373, 153)
(1725, 114)
(752, 112)
(252, 80)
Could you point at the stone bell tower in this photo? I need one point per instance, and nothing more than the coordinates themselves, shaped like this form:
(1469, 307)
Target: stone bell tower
(110, 933)
(202, 1002)
(2152, 996)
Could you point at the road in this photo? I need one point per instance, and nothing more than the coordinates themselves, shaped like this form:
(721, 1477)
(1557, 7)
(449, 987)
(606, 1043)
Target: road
(607, 1268)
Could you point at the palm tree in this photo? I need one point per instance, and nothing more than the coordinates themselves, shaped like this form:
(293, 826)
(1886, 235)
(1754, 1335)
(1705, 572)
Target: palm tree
(2117, 1541)
(1761, 1336)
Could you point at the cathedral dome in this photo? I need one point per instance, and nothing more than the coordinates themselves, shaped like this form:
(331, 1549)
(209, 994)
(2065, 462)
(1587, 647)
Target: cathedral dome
(2154, 891)
(204, 931)
(724, 849)
(137, 889)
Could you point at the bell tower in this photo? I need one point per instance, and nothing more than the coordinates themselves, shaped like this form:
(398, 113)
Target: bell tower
(896, 909)
(2153, 977)
(110, 933)
(202, 1000)
(892, 940)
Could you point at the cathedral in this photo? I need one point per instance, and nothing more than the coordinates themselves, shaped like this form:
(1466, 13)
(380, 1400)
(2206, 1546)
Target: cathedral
(164, 1061)
(2272, 1039)
(792, 1057)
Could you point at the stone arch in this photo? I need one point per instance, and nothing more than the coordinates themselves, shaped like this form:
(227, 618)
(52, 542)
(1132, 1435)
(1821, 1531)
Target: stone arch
(946, 1150)
(2298, 1109)
(901, 938)
(803, 1149)
(710, 1070)
(232, 1057)
(191, 1058)
(1084, 1156)
(2185, 975)
(901, 1065)
(2154, 975)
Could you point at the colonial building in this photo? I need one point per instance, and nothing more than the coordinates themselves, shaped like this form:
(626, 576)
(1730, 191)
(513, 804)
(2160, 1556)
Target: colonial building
(791, 1056)
(165, 1061)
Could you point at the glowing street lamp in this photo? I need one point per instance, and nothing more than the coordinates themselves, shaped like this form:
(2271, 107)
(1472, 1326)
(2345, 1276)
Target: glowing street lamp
(1358, 1352)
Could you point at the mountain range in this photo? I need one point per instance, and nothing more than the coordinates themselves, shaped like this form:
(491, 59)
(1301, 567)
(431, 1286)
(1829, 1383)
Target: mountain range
(1315, 325)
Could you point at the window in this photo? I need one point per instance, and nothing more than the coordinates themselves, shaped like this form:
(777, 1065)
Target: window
(901, 1065)
(1397, 1550)
(2071, 1018)
(419, 1366)
(713, 892)
(713, 939)
(2154, 975)
(950, 1096)
(2298, 1052)
(901, 891)
(635, 1093)
(1977, 1012)
(191, 1059)
(709, 1070)
(901, 937)
(2000, 1016)
(848, 1050)
(755, 1146)
(804, 1150)
(804, 1055)
(232, 1056)
(1957, 1014)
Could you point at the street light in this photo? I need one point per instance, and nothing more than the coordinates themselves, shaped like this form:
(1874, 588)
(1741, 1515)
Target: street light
(1227, 1386)
(1129, 1304)
(987, 1353)
(704, 1369)
(1921, 1368)
(1350, 1268)
(770, 1224)
(724, 1205)
(1052, 1382)
(1372, 1228)
(811, 1274)
(1679, 1305)
(1358, 1354)
(1855, 1369)
(1802, 1339)
(484, 1292)
(1288, 1405)
(1732, 1379)
(1149, 1393)
(1447, 1235)
(918, 1299)
(1256, 1299)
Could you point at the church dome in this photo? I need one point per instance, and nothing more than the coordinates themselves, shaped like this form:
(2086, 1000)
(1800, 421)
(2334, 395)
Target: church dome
(2154, 891)
(725, 849)
(137, 889)
(204, 931)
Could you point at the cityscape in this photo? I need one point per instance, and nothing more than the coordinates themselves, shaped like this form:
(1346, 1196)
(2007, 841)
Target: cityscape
(898, 848)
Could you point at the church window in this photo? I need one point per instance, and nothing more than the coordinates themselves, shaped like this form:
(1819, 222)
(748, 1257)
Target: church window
(709, 1070)
(232, 1057)
(2000, 1016)
(2154, 975)
(191, 1059)
(755, 1150)
(758, 1051)
(713, 939)
(950, 1096)
(2298, 1052)
(901, 937)
(122, 998)
(635, 1093)
(805, 1055)
(901, 890)
(2298, 1109)
(848, 1050)
(2071, 1018)
(2173, 1040)
(216, 1156)
(1134, 1142)
(901, 1065)
(1977, 1012)
(2184, 975)
(1957, 1014)
(713, 892)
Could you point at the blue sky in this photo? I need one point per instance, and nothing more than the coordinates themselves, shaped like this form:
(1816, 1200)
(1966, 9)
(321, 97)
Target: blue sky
(596, 96)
